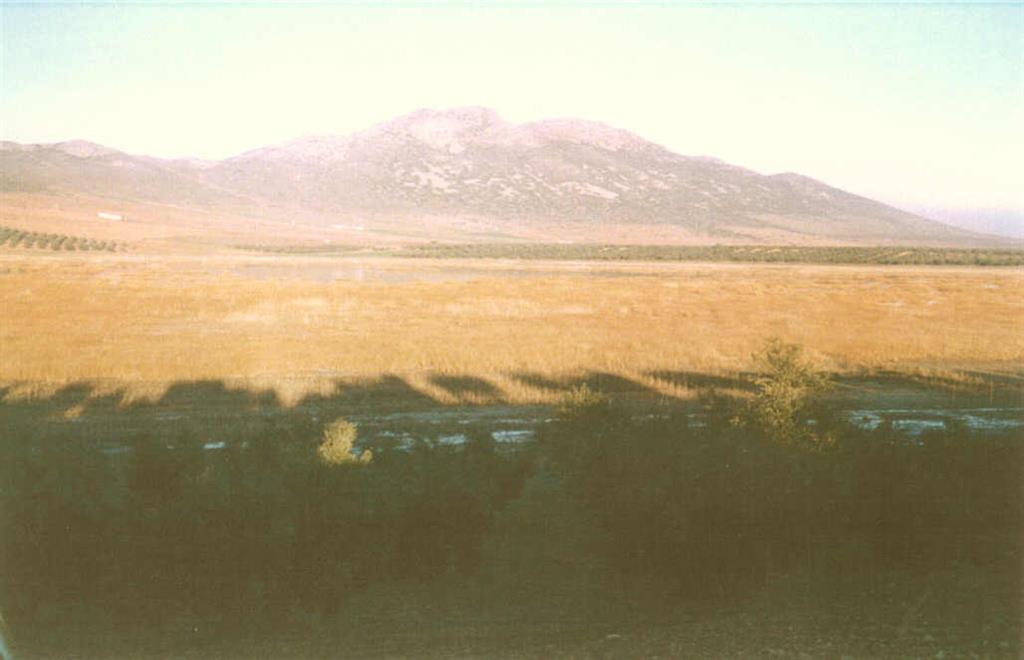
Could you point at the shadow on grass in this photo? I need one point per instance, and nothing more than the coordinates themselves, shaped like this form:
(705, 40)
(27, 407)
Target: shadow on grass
(190, 394)
(985, 387)
(696, 380)
(597, 381)
(216, 411)
(467, 388)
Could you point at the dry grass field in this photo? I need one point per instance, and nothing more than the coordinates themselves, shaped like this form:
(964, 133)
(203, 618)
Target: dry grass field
(474, 332)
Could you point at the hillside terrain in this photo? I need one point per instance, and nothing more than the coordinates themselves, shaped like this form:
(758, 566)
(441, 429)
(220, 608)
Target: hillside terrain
(456, 175)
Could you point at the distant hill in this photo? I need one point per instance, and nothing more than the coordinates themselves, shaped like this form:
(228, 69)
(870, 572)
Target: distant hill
(431, 171)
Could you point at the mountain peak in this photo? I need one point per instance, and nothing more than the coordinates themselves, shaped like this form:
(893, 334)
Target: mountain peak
(448, 129)
(470, 116)
(581, 131)
(83, 149)
(76, 148)
(452, 129)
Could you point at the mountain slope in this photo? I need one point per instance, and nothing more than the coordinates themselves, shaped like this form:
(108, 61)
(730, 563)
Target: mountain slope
(468, 163)
(80, 167)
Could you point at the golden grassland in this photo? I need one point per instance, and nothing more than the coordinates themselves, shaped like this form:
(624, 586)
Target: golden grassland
(146, 323)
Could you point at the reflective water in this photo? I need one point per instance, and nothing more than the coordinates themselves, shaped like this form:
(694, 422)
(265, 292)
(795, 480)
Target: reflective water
(395, 431)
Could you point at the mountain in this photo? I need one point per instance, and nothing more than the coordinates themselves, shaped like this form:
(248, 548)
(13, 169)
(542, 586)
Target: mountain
(563, 177)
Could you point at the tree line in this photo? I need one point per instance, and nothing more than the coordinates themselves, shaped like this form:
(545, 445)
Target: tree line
(19, 238)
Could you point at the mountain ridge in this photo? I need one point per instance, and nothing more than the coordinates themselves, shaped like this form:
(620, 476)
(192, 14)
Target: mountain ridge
(554, 175)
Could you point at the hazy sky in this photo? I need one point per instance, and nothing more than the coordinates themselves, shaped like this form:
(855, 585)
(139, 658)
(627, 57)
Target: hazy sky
(916, 105)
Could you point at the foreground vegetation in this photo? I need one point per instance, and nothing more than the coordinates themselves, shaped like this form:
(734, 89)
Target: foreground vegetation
(292, 531)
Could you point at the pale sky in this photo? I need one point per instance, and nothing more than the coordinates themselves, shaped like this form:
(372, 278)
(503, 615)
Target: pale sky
(917, 105)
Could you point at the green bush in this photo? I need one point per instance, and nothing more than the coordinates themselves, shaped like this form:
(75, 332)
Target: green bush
(787, 406)
(338, 444)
